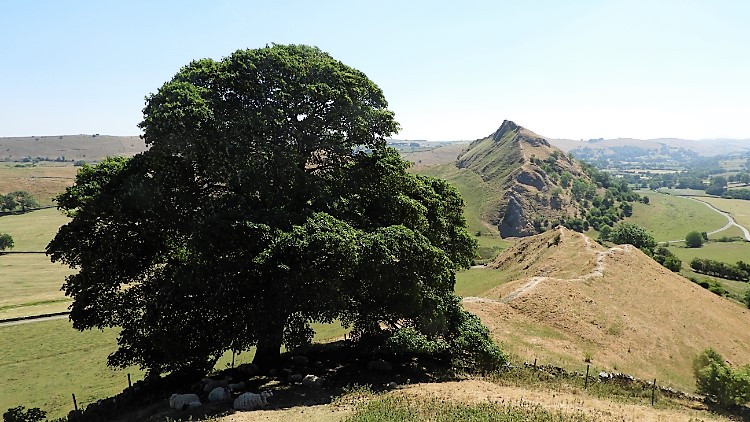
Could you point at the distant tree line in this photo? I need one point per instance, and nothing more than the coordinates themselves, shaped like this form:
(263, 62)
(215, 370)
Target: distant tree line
(737, 194)
(19, 200)
(739, 271)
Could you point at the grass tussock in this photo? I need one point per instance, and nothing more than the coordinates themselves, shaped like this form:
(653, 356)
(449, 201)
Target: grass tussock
(402, 408)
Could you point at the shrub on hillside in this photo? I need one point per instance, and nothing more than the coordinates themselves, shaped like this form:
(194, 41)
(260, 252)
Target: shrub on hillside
(717, 381)
(632, 234)
(666, 258)
(693, 240)
(6, 241)
(21, 414)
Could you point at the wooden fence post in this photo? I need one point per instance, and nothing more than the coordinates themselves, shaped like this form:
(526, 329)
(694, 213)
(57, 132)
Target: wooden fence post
(130, 383)
(586, 383)
(653, 392)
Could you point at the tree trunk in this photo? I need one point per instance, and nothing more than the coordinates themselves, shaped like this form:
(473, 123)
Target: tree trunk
(268, 352)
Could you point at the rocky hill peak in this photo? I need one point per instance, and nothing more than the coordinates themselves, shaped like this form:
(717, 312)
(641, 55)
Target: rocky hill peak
(529, 173)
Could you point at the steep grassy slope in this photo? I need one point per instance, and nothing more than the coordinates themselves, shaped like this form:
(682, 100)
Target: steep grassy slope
(571, 300)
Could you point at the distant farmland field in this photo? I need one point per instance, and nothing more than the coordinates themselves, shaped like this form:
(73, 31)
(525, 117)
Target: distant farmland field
(669, 217)
(43, 181)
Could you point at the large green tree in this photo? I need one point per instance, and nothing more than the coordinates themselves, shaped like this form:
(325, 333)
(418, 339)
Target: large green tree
(268, 200)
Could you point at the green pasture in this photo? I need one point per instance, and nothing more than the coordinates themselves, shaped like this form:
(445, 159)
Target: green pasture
(729, 252)
(737, 208)
(33, 230)
(30, 283)
(476, 281)
(43, 363)
(669, 217)
(732, 231)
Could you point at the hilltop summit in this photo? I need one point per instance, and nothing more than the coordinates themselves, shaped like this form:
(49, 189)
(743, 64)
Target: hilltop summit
(533, 177)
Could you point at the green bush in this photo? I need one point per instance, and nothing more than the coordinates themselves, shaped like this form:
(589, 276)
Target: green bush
(21, 414)
(717, 381)
(693, 240)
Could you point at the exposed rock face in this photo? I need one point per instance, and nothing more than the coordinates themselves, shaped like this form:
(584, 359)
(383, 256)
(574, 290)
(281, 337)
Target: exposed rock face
(525, 169)
(514, 223)
(533, 178)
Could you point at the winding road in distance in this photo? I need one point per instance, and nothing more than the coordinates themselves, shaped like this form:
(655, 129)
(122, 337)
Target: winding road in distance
(730, 220)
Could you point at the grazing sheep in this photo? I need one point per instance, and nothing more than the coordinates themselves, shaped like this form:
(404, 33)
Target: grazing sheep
(219, 394)
(252, 401)
(181, 401)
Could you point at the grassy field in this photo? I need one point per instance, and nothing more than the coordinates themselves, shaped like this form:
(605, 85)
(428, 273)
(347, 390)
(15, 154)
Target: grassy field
(737, 208)
(729, 252)
(43, 363)
(44, 180)
(478, 196)
(669, 217)
(30, 283)
(475, 281)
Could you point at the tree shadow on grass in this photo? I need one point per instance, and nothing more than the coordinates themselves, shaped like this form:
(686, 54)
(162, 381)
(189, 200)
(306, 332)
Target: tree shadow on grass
(341, 364)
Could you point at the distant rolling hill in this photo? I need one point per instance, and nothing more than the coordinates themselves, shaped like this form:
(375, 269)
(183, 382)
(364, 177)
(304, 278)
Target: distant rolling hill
(670, 146)
(69, 147)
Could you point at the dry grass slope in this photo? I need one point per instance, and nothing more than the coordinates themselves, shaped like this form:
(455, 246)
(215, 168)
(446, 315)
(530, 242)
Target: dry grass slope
(572, 299)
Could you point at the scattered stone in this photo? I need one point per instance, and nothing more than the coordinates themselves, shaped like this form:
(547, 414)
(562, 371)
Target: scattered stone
(312, 381)
(391, 385)
(295, 378)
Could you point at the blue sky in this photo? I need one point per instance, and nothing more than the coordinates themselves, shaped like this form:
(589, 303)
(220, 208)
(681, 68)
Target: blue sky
(450, 70)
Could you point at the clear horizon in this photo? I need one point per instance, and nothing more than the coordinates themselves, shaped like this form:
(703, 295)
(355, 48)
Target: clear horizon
(578, 70)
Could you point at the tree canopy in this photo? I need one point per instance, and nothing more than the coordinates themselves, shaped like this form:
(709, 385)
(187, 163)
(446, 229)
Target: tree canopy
(18, 199)
(6, 241)
(268, 200)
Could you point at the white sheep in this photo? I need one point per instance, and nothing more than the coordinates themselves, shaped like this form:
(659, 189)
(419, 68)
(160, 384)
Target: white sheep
(219, 394)
(252, 401)
(180, 401)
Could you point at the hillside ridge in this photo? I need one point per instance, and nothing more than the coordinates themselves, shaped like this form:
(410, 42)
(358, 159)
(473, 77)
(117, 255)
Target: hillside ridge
(616, 307)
